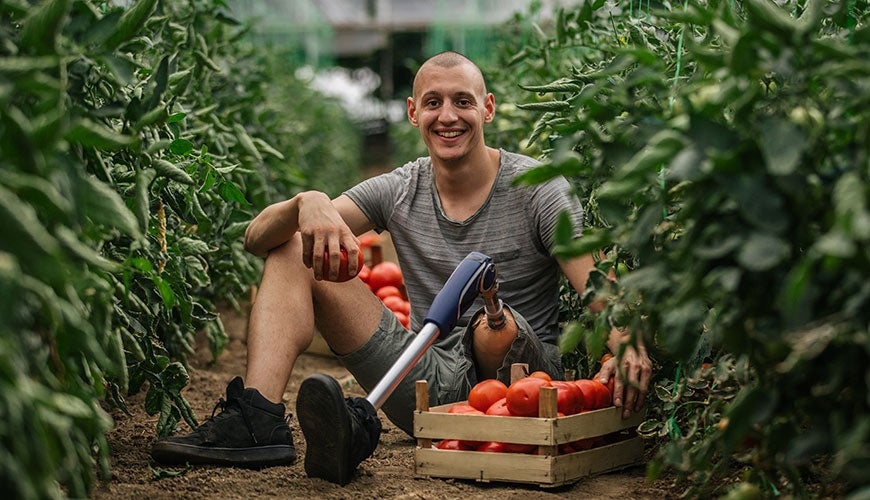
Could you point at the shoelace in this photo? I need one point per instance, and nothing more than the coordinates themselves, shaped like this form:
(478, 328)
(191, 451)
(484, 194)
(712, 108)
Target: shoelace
(224, 406)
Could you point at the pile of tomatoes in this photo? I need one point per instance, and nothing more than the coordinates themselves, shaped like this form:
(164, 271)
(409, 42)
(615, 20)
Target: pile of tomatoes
(521, 399)
(386, 281)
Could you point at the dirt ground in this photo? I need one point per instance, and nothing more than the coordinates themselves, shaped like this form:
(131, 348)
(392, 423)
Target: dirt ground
(388, 474)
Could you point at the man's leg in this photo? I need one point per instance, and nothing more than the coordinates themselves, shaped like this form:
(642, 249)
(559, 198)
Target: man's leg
(283, 316)
(251, 429)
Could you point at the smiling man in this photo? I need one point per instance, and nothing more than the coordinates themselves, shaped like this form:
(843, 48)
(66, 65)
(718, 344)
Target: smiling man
(438, 209)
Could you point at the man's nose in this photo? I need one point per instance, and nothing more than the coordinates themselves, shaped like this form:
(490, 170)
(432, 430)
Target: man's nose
(448, 113)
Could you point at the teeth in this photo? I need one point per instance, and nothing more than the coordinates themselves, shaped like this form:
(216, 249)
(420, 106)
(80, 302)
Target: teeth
(450, 134)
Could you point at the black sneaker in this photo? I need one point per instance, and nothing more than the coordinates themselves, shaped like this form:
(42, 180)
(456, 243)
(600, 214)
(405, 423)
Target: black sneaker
(250, 431)
(339, 432)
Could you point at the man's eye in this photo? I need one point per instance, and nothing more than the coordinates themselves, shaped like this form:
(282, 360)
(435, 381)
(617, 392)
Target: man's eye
(431, 103)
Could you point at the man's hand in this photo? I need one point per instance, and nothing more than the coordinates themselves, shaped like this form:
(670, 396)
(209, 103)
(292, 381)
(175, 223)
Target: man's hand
(323, 230)
(631, 378)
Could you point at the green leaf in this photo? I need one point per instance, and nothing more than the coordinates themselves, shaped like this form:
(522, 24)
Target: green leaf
(782, 143)
(169, 170)
(230, 192)
(102, 205)
(545, 106)
(41, 28)
(180, 147)
(165, 290)
(190, 246)
(91, 134)
(130, 23)
(761, 252)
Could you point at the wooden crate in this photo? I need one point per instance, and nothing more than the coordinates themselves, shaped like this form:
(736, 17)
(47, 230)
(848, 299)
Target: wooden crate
(547, 468)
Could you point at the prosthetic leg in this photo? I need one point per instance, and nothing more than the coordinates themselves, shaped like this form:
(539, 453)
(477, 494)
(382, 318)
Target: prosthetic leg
(342, 432)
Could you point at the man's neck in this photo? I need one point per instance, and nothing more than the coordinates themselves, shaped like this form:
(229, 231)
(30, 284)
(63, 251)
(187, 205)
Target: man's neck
(464, 186)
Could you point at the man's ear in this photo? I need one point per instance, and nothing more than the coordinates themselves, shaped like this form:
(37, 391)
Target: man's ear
(489, 107)
(412, 112)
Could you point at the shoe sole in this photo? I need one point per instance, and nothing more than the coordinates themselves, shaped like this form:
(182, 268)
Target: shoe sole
(167, 452)
(323, 417)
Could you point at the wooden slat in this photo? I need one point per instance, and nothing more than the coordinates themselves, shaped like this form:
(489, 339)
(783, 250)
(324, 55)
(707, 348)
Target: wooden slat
(523, 468)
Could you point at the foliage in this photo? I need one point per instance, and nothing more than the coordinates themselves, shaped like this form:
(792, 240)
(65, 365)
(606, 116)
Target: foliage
(721, 152)
(136, 144)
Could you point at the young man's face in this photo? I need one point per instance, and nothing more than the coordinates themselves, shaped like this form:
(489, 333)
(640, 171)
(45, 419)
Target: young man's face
(450, 107)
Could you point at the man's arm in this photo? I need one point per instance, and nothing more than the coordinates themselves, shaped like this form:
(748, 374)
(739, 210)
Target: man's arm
(632, 379)
(325, 225)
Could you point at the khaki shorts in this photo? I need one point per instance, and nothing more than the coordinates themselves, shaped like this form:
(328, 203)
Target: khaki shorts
(448, 365)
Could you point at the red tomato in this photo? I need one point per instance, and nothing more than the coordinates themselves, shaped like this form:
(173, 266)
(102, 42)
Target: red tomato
(485, 393)
(566, 449)
(388, 291)
(368, 239)
(541, 375)
(519, 448)
(605, 394)
(492, 446)
(569, 398)
(524, 394)
(499, 447)
(385, 274)
(453, 444)
(595, 394)
(499, 408)
(364, 273)
(464, 409)
(397, 304)
(342, 266)
(403, 319)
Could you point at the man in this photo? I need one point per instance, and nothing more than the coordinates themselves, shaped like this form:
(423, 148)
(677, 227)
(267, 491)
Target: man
(437, 210)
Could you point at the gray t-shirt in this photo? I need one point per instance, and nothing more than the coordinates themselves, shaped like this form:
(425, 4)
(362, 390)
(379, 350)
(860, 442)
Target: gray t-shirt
(515, 227)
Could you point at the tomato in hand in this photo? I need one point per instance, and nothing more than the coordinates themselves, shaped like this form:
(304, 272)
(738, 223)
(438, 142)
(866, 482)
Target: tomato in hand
(485, 393)
(343, 274)
(524, 394)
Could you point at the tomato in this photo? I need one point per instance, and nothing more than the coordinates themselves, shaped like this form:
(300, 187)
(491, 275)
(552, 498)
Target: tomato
(364, 273)
(519, 448)
(499, 408)
(541, 375)
(606, 357)
(524, 394)
(492, 447)
(595, 394)
(385, 274)
(342, 266)
(368, 239)
(403, 319)
(388, 291)
(605, 394)
(453, 444)
(566, 449)
(485, 393)
(464, 409)
(397, 304)
(569, 397)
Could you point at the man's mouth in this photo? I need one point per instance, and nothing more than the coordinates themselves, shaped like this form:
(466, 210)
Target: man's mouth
(450, 134)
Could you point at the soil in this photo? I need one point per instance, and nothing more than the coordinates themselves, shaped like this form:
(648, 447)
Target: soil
(387, 474)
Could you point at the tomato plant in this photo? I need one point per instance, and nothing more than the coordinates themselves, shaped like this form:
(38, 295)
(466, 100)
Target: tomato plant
(720, 151)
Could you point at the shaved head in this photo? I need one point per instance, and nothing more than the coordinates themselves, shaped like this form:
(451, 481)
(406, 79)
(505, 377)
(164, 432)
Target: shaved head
(446, 60)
